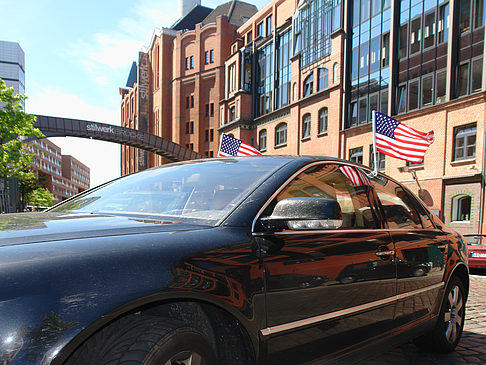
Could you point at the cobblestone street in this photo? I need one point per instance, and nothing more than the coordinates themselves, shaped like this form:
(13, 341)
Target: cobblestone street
(471, 349)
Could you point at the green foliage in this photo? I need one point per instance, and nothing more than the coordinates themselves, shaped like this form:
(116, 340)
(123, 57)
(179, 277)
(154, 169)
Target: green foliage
(40, 197)
(15, 125)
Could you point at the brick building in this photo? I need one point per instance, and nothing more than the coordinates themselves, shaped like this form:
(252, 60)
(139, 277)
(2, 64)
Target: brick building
(63, 175)
(302, 77)
(175, 88)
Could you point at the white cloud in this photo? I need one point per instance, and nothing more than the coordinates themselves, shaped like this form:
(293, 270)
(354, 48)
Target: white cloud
(110, 53)
(103, 158)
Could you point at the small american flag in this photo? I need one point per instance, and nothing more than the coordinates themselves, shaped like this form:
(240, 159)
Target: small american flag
(234, 147)
(356, 176)
(397, 140)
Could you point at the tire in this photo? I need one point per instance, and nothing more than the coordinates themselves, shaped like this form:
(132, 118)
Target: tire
(145, 340)
(448, 330)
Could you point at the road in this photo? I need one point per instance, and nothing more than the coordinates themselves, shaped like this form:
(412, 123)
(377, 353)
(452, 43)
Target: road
(471, 349)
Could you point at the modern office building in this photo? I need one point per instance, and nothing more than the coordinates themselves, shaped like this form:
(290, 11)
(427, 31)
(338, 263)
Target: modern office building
(12, 66)
(175, 88)
(303, 77)
(63, 175)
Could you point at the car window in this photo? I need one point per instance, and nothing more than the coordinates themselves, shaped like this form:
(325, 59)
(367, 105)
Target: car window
(397, 204)
(345, 184)
(201, 192)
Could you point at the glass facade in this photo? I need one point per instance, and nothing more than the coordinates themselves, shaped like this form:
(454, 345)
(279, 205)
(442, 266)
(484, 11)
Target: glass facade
(370, 59)
(313, 25)
(422, 29)
(282, 89)
(265, 80)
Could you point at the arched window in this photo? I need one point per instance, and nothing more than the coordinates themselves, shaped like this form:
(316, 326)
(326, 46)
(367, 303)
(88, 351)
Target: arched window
(281, 134)
(323, 79)
(294, 92)
(461, 208)
(335, 73)
(309, 85)
(323, 117)
(262, 140)
(306, 126)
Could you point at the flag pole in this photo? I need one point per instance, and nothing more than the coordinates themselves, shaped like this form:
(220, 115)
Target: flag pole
(375, 169)
(220, 143)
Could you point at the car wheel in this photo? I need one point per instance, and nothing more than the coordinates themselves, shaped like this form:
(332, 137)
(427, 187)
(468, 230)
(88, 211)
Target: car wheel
(448, 330)
(145, 340)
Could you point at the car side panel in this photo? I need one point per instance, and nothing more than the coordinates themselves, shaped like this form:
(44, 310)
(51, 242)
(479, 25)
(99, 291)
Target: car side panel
(51, 292)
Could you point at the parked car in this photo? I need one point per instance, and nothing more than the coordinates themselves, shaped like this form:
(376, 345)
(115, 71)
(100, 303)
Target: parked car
(230, 261)
(477, 251)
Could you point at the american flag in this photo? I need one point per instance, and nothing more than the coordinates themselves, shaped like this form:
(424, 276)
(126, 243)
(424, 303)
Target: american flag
(356, 176)
(397, 140)
(234, 147)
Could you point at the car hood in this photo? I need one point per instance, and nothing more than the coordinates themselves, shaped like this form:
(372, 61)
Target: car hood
(22, 228)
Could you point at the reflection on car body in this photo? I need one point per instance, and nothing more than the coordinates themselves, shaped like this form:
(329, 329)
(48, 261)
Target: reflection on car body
(258, 260)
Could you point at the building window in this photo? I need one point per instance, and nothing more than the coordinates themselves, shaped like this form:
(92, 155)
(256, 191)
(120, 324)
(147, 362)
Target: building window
(211, 56)
(461, 208)
(306, 126)
(260, 29)
(221, 116)
(269, 25)
(188, 102)
(464, 16)
(211, 135)
(323, 79)
(189, 127)
(323, 117)
(232, 77)
(211, 109)
(440, 87)
(187, 63)
(249, 37)
(281, 135)
(462, 79)
(206, 57)
(465, 142)
(380, 159)
(207, 110)
(309, 85)
(282, 87)
(335, 73)
(192, 62)
(265, 79)
(232, 113)
(356, 155)
(477, 75)
(262, 140)
(206, 136)
(192, 101)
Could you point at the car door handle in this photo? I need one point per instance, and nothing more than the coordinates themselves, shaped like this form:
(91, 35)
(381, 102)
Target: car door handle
(385, 253)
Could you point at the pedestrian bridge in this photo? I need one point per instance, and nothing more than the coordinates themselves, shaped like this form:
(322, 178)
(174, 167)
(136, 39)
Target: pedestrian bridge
(64, 127)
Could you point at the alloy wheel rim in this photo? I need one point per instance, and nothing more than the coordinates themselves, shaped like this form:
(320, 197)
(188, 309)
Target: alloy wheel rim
(185, 358)
(454, 314)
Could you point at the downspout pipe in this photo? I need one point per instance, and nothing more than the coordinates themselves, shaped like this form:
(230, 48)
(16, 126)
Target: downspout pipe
(481, 198)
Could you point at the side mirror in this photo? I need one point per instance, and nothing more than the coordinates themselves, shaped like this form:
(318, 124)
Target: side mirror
(304, 214)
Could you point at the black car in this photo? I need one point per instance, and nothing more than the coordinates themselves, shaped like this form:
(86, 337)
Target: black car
(230, 261)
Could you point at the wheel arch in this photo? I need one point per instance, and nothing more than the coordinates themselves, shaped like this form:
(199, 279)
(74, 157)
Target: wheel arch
(462, 272)
(214, 310)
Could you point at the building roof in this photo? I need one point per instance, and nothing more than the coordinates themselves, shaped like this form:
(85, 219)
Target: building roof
(237, 12)
(132, 76)
(195, 16)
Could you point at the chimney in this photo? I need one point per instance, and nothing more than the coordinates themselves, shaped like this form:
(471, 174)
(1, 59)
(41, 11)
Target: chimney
(185, 6)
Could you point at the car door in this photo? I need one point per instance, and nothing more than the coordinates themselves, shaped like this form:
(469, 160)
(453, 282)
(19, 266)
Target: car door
(330, 283)
(420, 251)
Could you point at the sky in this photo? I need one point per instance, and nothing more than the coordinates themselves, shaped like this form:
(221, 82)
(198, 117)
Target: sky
(77, 56)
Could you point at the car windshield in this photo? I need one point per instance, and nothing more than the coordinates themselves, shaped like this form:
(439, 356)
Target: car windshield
(200, 192)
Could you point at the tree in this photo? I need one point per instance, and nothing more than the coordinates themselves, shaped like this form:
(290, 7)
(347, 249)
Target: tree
(40, 197)
(15, 127)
